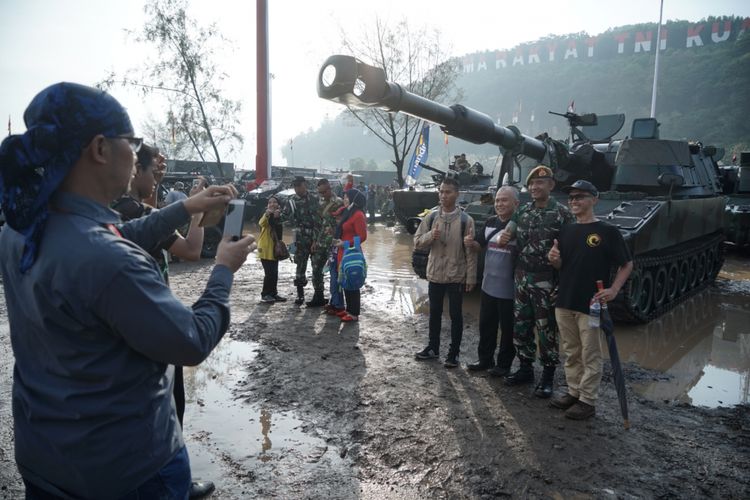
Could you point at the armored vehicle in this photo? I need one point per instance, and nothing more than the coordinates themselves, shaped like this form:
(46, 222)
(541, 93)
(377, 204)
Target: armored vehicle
(409, 203)
(664, 196)
(736, 183)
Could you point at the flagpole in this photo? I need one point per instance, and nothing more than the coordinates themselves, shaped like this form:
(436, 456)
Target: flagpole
(656, 61)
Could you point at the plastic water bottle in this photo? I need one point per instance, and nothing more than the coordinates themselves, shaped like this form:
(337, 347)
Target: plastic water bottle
(595, 314)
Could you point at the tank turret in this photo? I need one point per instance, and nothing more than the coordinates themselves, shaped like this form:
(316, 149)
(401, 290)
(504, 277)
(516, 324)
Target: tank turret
(664, 196)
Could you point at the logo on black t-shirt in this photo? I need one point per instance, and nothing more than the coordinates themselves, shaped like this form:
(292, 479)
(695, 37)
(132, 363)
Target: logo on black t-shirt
(593, 240)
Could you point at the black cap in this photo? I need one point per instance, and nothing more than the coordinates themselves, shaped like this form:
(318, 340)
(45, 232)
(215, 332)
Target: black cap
(582, 185)
(298, 181)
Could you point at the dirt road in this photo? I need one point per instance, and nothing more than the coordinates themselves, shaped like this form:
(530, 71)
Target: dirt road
(294, 405)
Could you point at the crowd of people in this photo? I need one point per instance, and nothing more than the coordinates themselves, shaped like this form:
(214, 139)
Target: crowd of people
(100, 340)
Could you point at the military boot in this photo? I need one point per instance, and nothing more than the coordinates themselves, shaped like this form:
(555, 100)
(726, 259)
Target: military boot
(300, 295)
(318, 300)
(544, 388)
(524, 374)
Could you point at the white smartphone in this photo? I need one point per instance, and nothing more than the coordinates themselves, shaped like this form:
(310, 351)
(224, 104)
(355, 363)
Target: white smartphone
(234, 219)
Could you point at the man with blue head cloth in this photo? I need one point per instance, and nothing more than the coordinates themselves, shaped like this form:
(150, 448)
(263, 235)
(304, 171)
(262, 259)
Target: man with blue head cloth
(94, 328)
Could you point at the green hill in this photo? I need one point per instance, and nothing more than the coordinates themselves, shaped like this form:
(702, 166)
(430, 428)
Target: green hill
(703, 91)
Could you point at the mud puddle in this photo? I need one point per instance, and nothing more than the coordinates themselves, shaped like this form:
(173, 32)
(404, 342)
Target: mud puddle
(246, 442)
(700, 349)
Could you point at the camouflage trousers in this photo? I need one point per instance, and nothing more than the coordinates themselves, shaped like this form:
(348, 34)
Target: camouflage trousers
(534, 309)
(318, 260)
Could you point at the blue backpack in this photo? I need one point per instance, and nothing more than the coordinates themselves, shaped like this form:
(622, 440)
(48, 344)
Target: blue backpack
(353, 268)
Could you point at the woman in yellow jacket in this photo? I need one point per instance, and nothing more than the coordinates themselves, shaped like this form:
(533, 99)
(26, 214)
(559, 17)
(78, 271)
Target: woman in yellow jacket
(270, 223)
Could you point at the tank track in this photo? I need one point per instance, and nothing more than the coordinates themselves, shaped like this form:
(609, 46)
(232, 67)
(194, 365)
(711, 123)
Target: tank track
(654, 287)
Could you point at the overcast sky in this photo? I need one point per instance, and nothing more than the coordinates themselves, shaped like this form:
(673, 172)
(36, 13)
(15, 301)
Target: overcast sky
(82, 40)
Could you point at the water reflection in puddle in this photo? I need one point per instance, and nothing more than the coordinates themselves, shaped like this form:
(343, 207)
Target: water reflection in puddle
(702, 346)
(245, 433)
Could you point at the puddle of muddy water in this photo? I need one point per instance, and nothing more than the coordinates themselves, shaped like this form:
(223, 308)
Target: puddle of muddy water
(702, 346)
(238, 441)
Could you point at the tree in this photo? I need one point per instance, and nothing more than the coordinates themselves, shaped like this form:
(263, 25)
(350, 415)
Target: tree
(185, 72)
(172, 141)
(417, 60)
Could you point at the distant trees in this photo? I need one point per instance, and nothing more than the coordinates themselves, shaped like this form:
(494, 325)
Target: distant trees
(186, 74)
(417, 60)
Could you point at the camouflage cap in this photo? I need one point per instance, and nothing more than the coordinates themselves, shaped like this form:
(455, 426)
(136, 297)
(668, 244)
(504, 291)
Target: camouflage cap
(540, 172)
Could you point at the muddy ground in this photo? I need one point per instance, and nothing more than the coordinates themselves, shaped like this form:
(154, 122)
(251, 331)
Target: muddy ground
(295, 405)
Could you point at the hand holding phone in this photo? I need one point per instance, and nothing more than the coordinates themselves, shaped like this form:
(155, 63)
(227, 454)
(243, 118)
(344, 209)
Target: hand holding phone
(234, 219)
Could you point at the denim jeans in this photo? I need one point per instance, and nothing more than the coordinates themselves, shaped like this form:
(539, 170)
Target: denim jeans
(436, 294)
(337, 297)
(171, 482)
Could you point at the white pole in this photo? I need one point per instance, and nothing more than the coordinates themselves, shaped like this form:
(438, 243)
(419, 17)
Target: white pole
(656, 62)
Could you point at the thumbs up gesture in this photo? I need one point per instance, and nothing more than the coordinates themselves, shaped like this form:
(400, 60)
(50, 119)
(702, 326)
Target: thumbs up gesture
(554, 255)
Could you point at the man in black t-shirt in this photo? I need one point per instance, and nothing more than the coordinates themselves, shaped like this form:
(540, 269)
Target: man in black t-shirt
(585, 253)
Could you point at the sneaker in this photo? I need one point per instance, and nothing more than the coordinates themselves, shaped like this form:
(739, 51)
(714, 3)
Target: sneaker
(279, 298)
(479, 366)
(426, 353)
(348, 318)
(580, 411)
(341, 312)
(334, 311)
(563, 402)
(451, 361)
(267, 299)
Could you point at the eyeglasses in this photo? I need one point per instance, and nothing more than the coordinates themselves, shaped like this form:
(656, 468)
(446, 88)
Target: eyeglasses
(578, 197)
(135, 143)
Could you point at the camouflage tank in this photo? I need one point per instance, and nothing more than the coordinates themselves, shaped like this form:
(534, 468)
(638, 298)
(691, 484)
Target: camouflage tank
(409, 203)
(736, 183)
(664, 196)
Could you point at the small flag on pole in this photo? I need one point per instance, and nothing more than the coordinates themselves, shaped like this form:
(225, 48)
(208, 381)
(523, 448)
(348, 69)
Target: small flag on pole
(572, 107)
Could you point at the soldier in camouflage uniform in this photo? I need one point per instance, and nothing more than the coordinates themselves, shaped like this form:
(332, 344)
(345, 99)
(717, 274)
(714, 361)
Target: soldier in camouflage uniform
(302, 211)
(536, 225)
(323, 238)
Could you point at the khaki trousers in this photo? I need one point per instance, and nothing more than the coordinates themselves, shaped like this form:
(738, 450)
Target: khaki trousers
(582, 346)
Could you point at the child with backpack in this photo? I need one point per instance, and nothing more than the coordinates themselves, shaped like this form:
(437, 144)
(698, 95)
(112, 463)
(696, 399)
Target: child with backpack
(350, 232)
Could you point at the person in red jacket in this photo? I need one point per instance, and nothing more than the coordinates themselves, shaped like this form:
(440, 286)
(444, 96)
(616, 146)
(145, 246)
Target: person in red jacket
(349, 182)
(353, 223)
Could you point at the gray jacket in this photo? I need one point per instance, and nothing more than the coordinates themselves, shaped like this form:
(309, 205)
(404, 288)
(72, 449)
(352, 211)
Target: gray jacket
(449, 261)
(94, 329)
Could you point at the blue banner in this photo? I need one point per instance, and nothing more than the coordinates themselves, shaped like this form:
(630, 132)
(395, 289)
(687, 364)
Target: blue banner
(419, 156)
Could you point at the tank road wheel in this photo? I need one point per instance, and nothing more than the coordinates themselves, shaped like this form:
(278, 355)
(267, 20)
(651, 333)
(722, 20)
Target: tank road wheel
(673, 281)
(634, 290)
(646, 294)
(693, 267)
(701, 270)
(713, 263)
(660, 286)
(683, 280)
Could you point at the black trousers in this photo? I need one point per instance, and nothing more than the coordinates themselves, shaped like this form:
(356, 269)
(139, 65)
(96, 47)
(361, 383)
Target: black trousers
(271, 277)
(436, 293)
(352, 301)
(494, 312)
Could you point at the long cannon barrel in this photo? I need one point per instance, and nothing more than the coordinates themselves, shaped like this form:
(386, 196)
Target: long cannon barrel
(348, 81)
